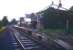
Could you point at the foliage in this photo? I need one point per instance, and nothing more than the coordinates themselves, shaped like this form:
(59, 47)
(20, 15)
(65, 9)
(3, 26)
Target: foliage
(5, 21)
(2, 30)
(1, 24)
(71, 8)
(13, 21)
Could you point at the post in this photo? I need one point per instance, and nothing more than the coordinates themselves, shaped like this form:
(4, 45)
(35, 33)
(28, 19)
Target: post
(67, 25)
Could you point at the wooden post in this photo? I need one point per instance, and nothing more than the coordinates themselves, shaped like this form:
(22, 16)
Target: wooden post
(67, 26)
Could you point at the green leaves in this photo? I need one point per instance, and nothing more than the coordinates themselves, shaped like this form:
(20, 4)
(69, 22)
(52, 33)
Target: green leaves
(5, 21)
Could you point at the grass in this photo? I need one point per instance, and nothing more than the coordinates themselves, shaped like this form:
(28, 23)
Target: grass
(52, 30)
(2, 31)
(53, 33)
(56, 33)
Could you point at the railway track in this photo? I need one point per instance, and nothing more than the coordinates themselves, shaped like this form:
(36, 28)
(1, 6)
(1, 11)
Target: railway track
(28, 44)
(23, 41)
(53, 46)
(9, 42)
(20, 41)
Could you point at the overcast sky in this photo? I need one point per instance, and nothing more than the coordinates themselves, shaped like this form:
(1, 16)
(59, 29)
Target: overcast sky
(18, 8)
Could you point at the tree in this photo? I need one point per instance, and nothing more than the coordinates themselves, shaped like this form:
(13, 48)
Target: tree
(5, 21)
(71, 8)
(13, 21)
